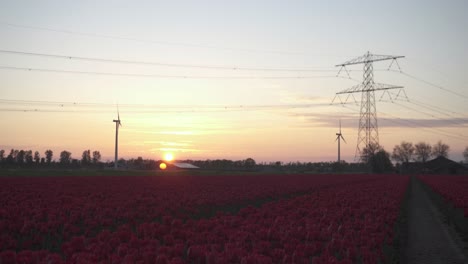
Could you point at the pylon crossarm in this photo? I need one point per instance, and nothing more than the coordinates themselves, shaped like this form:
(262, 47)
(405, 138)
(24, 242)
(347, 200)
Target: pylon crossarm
(368, 57)
(355, 89)
(334, 99)
(389, 96)
(396, 63)
(402, 93)
(354, 98)
(362, 88)
(346, 70)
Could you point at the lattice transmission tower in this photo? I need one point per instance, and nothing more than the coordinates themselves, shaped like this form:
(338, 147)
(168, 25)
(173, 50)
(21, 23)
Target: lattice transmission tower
(368, 133)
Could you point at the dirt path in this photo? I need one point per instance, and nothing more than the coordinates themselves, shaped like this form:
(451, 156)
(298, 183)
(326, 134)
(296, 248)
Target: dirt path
(429, 239)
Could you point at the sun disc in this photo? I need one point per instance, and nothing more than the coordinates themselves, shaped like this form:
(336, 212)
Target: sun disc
(162, 166)
(168, 157)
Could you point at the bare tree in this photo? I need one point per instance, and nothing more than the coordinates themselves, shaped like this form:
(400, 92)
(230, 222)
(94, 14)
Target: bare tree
(377, 158)
(86, 157)
(11, 158)
(422, 151)
(37, 158)
(20, 156)
(440, 150)
(249, 163)
(28, 156)
(369, 151)
(49, 154)
(403, 152)
(65, 157)
(96, 156)
(2, 155)
(465, 154)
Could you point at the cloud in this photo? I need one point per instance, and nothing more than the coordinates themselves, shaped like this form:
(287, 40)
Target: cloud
(428, 123)
(351, 121)
(327, 120)
(169, 143)
(296, 98)
(174, 149)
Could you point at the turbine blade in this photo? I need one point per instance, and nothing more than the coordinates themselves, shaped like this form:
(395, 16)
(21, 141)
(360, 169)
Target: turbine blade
(118, 115)
(343, 139)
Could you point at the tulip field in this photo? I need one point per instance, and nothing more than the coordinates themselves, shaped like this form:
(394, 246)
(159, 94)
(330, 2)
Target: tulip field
(452, 188)
(200, 219)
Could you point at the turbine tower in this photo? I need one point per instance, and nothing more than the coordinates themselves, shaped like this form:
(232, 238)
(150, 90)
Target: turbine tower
(339, 136)
(117, 125)
(368, 133)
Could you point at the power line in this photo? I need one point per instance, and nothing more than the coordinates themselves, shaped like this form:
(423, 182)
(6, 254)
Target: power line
(434, 107)
(39, 110)
(457, 120)
(163, 76)
(433, 130)
(432, 84)
(213, 67)
(65, 105)
(165, 43)
(453, 120)
(422, 112)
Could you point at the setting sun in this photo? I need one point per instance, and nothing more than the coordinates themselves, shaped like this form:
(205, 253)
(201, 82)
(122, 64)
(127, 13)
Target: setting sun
(168, 157)
(162, 166)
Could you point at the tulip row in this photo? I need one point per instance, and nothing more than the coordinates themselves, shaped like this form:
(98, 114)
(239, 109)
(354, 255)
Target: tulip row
(342, 219)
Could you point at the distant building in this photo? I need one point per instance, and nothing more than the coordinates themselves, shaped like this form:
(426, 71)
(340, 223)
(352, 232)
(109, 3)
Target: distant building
(183, 166)
(439, 165)
(442, 165)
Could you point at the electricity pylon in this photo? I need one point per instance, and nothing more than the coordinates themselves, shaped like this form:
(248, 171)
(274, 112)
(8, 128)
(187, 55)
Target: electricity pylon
(368, 133)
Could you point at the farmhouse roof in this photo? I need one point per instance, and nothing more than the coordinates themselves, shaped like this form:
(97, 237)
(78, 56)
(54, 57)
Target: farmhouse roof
(442, 164)
(183, 165)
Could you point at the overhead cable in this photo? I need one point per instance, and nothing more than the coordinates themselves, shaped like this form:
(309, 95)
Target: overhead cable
(161, 76)
(164, 64)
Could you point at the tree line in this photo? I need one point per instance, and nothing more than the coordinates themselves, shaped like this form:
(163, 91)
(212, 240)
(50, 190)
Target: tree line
(374, 158)
(421, 152)
(28, 158)
(378, 159)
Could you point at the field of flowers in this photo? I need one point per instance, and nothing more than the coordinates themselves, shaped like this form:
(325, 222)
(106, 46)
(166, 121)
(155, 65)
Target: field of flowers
(324, 218)
(452, 188)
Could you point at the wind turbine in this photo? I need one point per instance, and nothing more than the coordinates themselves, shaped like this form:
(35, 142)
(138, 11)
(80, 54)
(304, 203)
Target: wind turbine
(117, 125)
(339, 136)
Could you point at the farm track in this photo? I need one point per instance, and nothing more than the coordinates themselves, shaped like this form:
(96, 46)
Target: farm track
(429, 239)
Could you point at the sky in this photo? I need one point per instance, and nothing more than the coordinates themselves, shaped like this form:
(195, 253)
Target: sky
(227, 79)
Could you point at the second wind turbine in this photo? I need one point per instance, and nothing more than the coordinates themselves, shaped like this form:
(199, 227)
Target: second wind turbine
(339, 136)
(117, 125)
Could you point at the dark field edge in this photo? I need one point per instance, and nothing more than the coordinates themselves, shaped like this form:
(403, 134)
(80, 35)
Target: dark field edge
(451, 216)
(45, 172)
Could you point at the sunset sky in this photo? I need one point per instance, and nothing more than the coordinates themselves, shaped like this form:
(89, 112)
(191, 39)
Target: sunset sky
(226, 79)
